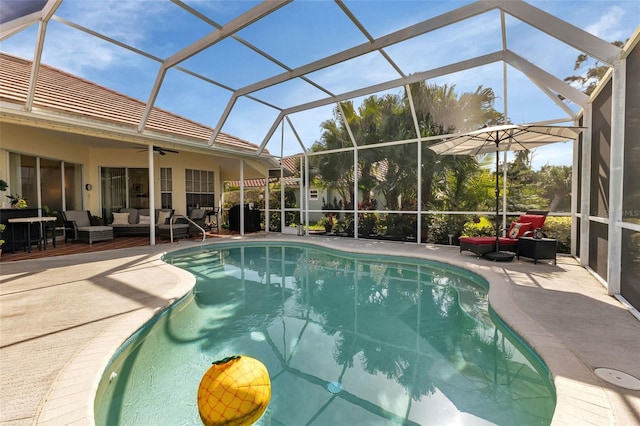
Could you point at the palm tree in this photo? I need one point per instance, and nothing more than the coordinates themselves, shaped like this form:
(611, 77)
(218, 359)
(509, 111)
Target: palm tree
(391, 171)
(556, 181)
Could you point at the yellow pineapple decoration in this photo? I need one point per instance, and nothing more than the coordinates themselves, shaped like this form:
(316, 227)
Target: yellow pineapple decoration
(235, 391)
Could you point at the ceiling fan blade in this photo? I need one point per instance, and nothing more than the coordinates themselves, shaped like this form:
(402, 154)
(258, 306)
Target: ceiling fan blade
(160, 150)
(163, 151)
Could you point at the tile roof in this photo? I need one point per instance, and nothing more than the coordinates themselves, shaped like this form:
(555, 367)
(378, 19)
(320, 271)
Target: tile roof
(290, 164)
(58, 91)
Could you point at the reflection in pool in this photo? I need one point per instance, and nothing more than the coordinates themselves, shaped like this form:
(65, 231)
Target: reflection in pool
(347, 339)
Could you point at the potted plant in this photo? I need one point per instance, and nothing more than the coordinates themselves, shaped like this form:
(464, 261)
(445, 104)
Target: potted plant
(17, 202)
(327, 223)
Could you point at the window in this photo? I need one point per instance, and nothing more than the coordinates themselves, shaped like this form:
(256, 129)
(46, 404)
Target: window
(200, 189)
(60, 183)
(22, 178)
(166, 188)
(313, 194)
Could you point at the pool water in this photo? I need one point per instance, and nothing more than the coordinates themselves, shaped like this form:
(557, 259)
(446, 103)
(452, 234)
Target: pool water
(347, 339)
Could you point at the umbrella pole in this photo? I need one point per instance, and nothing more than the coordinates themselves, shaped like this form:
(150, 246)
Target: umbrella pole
(498, 255)
(497, 192)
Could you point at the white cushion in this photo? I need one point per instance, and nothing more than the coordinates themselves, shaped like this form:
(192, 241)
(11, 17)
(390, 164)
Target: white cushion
(120, 219)
(144, 220)
(162, 217)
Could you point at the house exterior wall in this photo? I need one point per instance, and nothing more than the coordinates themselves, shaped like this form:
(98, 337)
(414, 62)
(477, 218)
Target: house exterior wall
(58, 146)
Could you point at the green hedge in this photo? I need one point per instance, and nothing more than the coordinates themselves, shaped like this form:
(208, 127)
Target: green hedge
(560, 229)
(479, 227)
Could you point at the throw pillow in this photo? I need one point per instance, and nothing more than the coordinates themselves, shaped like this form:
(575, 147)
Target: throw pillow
(517, 229)
(524, 228)
(162, 217)
(120, 219)
(512, 233)
(144, 220)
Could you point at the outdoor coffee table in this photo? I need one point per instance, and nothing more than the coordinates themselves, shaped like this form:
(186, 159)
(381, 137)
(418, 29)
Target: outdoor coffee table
(537, 248)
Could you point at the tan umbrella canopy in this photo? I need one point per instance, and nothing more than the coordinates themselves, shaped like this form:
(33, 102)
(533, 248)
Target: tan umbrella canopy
(508, 137)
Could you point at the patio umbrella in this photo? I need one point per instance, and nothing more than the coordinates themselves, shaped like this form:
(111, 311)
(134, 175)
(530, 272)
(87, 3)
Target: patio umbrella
(508, 137)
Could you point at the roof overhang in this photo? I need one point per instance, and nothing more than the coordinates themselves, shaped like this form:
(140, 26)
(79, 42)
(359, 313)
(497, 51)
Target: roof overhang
(97, 134)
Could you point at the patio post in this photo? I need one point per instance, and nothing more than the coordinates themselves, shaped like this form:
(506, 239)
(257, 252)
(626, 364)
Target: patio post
(585, 179)
(152, 199)
(419, 165)
(616, 178)
(267, 211)
(241, 197)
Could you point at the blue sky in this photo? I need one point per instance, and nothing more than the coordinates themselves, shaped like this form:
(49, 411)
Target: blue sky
(300, 33)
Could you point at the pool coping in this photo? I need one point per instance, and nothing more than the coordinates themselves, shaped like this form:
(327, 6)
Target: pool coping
(582, 397)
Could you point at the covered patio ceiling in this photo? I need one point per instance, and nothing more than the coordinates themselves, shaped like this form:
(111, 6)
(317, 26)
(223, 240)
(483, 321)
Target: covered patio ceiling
(271, 72)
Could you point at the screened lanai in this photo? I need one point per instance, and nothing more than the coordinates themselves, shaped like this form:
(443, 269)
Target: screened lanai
(309, 79)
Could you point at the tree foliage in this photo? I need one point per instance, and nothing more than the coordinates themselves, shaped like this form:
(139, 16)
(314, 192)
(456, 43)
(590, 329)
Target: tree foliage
(392, 170)
(388, 173)
(588, 81)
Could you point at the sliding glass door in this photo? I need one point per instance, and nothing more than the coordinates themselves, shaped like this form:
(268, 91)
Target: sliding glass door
(41, 181)
(123, 187)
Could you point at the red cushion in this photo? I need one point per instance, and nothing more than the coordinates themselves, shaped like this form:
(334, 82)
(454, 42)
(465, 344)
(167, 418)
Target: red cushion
(479, 240)
(535, 220)
(487, 240)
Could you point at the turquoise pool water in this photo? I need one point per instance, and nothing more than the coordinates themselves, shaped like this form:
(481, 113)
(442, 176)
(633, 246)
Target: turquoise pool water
(347, 339)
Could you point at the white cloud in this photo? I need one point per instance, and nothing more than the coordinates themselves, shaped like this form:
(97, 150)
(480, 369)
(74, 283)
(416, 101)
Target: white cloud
(607, 27)
(124, 21)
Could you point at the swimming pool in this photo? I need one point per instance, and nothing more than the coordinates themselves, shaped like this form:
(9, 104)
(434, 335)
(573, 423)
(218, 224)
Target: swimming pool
(347, 339)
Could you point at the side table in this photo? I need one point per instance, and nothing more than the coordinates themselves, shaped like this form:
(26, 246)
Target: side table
(28, 239)
(537, 248)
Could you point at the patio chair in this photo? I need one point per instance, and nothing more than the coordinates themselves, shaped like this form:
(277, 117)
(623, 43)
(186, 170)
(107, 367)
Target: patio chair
(199, 216)
(523, 227)
(77, 224)
(182, 228)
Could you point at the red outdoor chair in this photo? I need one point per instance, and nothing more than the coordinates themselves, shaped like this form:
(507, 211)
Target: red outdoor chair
(523, 227)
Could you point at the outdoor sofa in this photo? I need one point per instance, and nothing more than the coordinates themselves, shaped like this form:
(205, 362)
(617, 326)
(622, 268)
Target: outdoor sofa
(129, 222)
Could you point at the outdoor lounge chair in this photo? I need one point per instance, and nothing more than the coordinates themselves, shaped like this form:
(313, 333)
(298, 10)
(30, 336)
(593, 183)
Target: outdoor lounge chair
(78, 222)
(523, 227)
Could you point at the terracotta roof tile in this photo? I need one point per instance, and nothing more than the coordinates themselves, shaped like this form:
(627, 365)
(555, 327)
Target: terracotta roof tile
(62, 92)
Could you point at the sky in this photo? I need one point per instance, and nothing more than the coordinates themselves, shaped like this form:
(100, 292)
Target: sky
(300, 33)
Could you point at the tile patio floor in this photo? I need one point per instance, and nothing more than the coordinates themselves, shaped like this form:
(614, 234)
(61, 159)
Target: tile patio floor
(62, 317)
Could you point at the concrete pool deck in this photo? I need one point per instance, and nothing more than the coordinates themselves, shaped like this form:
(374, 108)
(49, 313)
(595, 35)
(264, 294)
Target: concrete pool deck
(62, 318)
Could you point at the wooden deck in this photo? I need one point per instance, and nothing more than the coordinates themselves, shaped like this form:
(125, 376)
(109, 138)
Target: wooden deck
(70, 247)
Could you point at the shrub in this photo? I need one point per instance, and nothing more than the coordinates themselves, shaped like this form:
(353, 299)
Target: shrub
(560, 229)
(480, 227)
(400, 226)
(367, 224)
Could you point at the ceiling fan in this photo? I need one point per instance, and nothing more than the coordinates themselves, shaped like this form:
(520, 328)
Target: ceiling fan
(160, 150)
